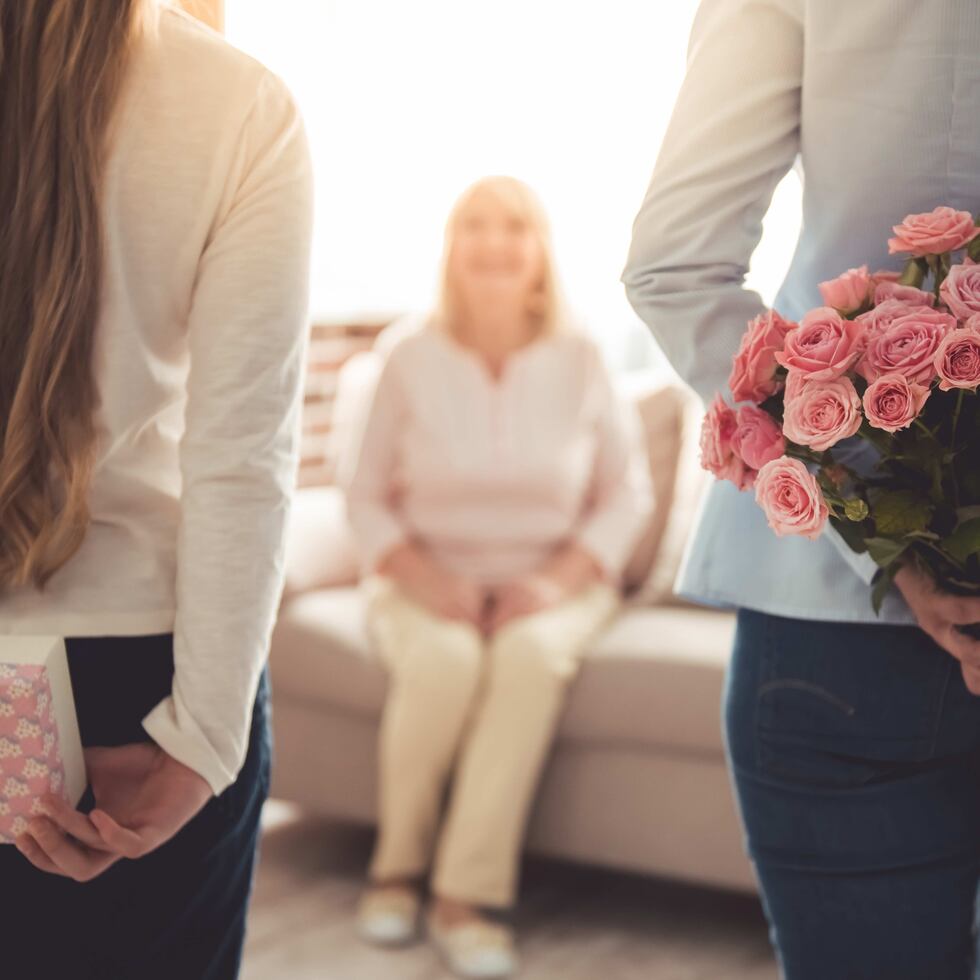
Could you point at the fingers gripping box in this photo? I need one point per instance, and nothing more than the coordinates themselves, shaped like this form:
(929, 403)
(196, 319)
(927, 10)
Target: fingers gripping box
(40, 748)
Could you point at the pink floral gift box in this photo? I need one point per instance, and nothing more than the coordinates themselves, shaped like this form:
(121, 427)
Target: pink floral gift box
(40, 748)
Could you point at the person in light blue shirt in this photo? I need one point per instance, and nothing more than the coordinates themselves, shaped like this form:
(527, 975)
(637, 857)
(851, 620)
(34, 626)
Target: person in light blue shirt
(853, 739)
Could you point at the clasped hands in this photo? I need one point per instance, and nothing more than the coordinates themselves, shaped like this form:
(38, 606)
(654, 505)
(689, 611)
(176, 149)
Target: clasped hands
(489, 609)
(457, 597)
(143, 798)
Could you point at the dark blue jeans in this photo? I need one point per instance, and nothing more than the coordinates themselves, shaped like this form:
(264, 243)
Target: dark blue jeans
(176, 914)
(855, 751)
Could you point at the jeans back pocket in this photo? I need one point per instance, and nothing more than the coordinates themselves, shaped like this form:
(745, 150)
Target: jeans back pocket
(844, 703)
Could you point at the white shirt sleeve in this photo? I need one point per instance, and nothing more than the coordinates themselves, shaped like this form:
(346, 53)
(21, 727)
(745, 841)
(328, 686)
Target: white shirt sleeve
(367, 473)
(248, 336)
(733, 135)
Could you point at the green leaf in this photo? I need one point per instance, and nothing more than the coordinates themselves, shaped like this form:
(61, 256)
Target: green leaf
(967, 513)
(883, 580)
(973, 249)
(964, 541)
(901, 512)
(853, 534)
(886, 551)
(923, 535)
(856, 509)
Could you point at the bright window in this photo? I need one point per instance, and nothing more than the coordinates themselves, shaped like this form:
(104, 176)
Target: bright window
(406, 103)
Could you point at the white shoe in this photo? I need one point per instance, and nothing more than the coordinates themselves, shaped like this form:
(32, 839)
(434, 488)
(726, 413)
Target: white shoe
(389, 916)
(479, 950)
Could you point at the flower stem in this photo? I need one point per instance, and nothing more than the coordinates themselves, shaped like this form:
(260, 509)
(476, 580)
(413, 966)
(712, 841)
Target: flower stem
(952, 445)
(940, 265)
(925, 428)
(956, 417)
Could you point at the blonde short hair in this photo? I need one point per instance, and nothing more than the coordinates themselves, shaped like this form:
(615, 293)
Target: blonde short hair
(546, 305)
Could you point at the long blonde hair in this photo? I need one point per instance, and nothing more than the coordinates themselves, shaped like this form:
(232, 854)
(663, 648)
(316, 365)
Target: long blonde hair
(62, 64)
(546, 304)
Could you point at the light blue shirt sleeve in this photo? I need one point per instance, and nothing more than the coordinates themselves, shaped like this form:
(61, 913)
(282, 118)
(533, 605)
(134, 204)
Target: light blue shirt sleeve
(734, 134)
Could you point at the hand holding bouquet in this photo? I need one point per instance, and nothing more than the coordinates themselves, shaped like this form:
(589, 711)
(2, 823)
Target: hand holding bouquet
(885, 373)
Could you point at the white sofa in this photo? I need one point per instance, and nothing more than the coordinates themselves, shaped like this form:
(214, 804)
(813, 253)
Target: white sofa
(637, 777)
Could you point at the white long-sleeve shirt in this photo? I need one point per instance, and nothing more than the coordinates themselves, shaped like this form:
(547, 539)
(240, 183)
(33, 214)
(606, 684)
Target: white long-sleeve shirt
(879, 101)
(200, 348)
(494, 475)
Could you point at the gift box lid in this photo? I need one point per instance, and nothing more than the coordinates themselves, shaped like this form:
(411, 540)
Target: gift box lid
(30, 650)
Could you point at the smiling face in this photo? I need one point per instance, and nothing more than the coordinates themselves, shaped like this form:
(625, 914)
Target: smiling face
(496, 255)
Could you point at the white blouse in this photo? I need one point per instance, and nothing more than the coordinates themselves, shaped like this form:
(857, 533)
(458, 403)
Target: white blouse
(199, 359)
(491, 475)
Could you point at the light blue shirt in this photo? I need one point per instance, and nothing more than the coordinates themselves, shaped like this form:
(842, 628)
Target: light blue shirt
(878, 103)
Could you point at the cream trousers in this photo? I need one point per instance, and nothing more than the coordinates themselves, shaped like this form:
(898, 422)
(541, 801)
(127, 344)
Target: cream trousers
(480, 710)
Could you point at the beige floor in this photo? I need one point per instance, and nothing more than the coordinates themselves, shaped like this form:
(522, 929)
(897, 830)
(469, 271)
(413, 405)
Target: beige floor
(575, 923)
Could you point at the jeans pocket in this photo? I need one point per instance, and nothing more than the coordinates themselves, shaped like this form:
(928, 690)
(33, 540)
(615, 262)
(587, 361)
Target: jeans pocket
(846, 704)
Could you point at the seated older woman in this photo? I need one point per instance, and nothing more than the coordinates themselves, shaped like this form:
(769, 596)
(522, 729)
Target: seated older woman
(496, 496)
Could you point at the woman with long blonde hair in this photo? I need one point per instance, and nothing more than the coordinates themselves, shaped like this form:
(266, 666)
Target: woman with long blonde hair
(154, 251)
(495, 495)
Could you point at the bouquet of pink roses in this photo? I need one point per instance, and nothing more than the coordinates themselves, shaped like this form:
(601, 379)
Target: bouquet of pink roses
(889, 366)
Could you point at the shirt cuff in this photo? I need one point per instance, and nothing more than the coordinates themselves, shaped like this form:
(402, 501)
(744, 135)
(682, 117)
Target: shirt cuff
(177, 733)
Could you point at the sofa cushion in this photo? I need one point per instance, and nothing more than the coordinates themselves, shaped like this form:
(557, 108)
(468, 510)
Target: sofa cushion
(321, 654)
(659, 405)
(689, 484)
(320, 549)
(670, 414)
(653, 678)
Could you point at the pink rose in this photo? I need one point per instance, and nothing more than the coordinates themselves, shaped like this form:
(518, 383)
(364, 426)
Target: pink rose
(960, 290)
(908, 346)
(754, 368)
(885, 275)
(893, 402)
(823, 413)
(718, 455)
(958, 358)
(791, 498)
(908, 295)
(848, 292)
(757, 440)
(942, 230)
(795, 383)
(824, 346)
(882, 317)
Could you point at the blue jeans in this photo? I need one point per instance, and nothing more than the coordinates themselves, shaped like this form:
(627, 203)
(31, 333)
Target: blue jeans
(180, 911)
(855, 752)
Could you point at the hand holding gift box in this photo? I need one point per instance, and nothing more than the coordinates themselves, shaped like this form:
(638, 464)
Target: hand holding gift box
(143, 797)
(40, 748)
